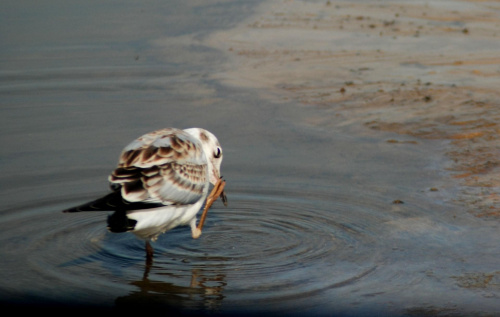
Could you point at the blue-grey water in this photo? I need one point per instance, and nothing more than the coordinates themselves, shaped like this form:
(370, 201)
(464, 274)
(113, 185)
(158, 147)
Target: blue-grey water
(311, 227)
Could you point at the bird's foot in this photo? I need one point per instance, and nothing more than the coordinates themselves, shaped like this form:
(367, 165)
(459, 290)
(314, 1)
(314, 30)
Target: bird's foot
(216, 192)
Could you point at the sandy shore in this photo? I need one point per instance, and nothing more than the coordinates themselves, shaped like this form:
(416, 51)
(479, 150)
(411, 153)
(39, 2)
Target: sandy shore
(427, 69)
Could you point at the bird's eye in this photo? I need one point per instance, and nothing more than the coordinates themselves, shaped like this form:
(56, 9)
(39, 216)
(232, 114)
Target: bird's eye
(218, 153)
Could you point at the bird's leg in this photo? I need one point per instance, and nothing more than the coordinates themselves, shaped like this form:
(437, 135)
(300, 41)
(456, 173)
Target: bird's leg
(214, 194)
(149, 253)
(195, 232)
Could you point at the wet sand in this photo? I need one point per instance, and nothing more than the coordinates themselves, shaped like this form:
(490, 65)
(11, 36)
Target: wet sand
(424, 69)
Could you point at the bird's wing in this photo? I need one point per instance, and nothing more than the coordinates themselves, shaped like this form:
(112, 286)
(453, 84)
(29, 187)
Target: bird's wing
(166, 166)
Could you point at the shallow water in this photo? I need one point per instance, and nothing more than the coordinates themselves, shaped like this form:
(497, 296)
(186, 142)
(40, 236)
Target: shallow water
(312, 226)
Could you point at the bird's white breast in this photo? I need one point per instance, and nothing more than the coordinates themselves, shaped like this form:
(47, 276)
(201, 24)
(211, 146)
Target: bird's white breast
(152, 222)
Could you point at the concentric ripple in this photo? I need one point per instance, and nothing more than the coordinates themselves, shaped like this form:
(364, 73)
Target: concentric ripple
(275, 246)
(272, 246)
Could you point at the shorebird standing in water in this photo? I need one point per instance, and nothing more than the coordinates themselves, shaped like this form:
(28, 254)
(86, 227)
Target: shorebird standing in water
(161, 182)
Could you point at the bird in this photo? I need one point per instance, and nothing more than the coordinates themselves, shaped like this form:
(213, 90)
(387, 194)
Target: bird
(161, 182)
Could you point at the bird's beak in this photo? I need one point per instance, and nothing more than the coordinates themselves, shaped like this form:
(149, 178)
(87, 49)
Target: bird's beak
(222, 195)
(223, 198)
(214, 179)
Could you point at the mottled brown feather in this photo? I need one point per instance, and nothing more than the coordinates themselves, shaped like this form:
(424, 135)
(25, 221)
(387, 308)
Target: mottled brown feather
(165, 151)
(149, 172)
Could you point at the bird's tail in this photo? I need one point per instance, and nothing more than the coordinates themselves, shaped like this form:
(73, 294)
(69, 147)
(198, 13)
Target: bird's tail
(109, 202)
(119, 222)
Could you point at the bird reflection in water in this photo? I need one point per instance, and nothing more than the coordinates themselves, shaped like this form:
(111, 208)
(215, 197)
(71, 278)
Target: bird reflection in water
(203, 292)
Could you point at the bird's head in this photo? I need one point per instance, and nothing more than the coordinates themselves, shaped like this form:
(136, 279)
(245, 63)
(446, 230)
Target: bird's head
(212, 150)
